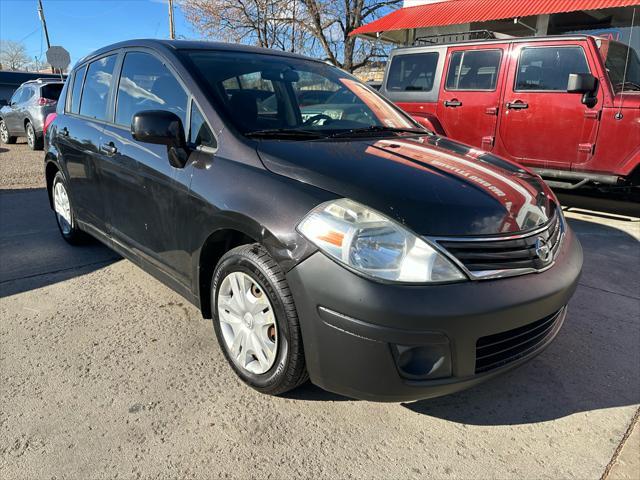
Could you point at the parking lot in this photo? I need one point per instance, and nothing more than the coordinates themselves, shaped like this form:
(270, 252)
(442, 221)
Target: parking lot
(105, 372)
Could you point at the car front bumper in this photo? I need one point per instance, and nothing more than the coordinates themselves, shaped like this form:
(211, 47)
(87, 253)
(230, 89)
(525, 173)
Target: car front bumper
(355, 330)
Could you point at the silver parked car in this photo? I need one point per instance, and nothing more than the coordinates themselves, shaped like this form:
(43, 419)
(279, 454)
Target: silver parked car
(27, 111)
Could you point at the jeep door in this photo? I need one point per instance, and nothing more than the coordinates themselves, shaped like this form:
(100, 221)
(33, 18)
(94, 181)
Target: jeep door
(470, 92)
(542, 125)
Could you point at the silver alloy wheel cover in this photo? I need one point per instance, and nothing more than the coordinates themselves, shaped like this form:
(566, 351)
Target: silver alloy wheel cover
(245, 323)
(62, 207)
(30, 135)
(4, 133)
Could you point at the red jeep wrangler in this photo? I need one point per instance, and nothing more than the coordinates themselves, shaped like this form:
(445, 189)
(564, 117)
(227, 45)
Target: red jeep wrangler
(568, 107)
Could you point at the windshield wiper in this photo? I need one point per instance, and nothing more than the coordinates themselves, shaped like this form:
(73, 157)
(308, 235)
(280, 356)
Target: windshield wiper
(284, 133)
(628, 85)
(356, 132)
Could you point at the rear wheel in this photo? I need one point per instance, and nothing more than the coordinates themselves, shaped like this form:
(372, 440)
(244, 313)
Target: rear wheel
(34, 140)
(64, 211)
(4, 134)
(256, 322)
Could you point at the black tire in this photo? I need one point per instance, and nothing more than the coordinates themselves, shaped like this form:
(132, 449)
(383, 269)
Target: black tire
(72, 235)
(4, 134)
(34, 141)
(288, 370)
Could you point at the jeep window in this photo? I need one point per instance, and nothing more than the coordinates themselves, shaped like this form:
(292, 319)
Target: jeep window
(51, 91)
(413, 72)
(146, 84)
(95, 94)
(76, 91)
(474, 70)
(548, 68)
(260, 92)
(617, 55)
(199, 132)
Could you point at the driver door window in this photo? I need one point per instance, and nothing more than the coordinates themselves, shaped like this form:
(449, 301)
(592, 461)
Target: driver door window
(146, 84)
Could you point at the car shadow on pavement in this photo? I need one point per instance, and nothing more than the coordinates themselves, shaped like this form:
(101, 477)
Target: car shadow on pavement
(32, 252)
(311, 393)
(593, 362)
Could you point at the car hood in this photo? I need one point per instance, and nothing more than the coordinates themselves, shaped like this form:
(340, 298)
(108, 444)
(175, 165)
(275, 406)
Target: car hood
(432, 185)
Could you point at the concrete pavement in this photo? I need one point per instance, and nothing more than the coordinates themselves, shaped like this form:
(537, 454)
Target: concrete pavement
(105, 373)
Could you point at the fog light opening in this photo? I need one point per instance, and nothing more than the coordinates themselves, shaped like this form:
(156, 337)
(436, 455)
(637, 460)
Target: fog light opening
(423, 362)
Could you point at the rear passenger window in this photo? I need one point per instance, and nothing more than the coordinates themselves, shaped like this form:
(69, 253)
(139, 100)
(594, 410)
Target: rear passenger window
(146, 84)
(76, 92)
(474, 70)
(95, 94)
(27, 94)
(199, 132)
(412, 73)
(548, 68)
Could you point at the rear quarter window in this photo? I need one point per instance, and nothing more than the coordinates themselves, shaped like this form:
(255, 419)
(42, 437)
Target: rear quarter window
(412, 72)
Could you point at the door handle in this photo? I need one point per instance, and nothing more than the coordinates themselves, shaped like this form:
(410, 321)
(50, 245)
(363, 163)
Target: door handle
(453, 103)
(108, 148)
(517, 105)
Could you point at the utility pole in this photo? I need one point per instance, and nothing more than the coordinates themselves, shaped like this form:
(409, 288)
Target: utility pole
(172, 30)
(44, 27)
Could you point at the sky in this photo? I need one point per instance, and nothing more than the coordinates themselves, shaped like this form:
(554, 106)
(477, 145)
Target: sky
(82, 26)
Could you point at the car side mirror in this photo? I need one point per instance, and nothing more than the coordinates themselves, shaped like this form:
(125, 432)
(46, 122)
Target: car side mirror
(586, 84)
(162, 128)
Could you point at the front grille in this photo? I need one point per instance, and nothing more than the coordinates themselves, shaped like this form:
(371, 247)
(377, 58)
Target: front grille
(496, 350)
(490, 255)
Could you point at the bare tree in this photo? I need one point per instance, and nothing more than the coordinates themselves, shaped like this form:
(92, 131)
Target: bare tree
(331, 23)
(319, 28)
(13, 55)
(265, 23)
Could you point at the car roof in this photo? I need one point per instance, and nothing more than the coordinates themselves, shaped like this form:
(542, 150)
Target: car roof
(192, 45)
(43, 81)
(427, 46)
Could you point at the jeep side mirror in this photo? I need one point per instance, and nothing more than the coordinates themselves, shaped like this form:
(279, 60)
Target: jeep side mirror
(163, 128)
(586, 84)
(582, 83)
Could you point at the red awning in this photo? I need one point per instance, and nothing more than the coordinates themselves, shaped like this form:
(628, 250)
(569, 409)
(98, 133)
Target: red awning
(455, 12)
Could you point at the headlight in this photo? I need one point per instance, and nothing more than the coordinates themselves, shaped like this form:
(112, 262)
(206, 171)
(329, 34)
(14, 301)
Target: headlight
(374, 245)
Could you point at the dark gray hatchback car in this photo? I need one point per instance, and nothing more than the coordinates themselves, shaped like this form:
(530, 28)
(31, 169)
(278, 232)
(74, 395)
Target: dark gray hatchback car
(326, 233)
(27, 110)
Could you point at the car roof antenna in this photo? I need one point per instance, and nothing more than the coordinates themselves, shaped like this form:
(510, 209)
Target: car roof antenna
(618, 115)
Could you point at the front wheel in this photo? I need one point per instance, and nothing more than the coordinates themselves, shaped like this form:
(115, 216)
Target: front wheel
(256, 322)
(64, 211)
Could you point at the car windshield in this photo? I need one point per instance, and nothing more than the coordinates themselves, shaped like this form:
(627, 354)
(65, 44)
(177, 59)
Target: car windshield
(616, 60)
(273, 95)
